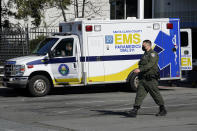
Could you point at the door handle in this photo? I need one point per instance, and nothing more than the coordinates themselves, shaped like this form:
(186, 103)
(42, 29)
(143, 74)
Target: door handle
(174, 49)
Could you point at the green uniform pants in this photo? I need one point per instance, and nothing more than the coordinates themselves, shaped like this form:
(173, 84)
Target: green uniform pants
(148, 86)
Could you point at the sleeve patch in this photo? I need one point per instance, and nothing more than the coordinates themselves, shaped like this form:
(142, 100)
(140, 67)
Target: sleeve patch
(153, 54)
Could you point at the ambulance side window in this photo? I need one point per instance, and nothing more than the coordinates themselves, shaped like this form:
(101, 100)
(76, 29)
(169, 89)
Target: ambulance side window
(184, 39)
(64, 48)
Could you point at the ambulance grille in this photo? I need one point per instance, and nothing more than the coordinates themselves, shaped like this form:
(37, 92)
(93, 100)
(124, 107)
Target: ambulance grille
(10, 70)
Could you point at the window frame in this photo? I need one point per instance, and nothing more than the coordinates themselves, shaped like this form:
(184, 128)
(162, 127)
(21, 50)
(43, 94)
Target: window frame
(187, 38)
(58, 44)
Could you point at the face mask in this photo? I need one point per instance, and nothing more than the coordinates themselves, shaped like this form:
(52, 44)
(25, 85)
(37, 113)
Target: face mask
(143, 48)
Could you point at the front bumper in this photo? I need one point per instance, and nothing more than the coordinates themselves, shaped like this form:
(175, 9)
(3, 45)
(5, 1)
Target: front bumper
(15, 82)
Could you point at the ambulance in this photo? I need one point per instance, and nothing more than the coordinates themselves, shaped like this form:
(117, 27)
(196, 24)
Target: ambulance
(87, 52)
(186, 53)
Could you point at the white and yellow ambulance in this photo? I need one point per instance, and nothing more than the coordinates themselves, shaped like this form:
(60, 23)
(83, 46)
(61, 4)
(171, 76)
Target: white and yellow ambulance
(89, 52)
(186, 53)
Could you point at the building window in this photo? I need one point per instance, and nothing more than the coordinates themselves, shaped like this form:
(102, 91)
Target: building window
(131, 8)
(113, 10)
(148, 9)
(117, 9)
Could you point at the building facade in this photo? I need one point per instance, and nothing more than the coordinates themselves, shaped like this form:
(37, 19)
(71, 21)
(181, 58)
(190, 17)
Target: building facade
(185, 10)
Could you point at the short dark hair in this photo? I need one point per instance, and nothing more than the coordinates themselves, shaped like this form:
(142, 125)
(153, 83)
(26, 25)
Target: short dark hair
(147, 41)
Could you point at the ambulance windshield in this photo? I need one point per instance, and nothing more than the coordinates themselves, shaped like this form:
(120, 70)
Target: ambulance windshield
(44, 46)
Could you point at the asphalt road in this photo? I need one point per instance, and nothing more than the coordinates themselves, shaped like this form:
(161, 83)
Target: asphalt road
(96, 109)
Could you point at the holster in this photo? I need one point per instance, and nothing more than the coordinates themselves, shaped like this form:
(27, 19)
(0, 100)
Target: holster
(150, 77)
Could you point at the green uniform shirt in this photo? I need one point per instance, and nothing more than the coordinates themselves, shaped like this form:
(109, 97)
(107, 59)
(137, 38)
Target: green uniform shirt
(148, 63)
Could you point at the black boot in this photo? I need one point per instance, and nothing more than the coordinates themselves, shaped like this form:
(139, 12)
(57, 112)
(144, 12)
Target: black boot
(162, 111)
(133, 112)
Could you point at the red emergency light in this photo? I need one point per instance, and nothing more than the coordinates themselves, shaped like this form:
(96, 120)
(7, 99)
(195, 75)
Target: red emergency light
(169, 26)
(89, 28)
(30, 66)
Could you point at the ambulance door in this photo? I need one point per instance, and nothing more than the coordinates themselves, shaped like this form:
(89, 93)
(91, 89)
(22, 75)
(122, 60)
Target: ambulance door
(186, 49)
(170, 50)
(94, 59)
(65, 64)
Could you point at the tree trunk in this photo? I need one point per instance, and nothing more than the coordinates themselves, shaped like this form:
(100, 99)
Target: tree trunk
(0, 16)
(83, 8)
(77, 9)
(63, 12)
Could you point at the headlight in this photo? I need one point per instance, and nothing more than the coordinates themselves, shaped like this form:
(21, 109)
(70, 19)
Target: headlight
(20, 69)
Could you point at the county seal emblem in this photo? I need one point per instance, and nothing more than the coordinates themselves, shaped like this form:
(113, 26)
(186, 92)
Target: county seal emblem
(63, 69)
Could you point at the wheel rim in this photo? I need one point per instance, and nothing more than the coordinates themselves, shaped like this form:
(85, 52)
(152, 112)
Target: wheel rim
(136, 81)
(39, 86)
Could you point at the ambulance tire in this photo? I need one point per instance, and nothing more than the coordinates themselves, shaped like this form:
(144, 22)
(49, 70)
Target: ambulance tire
(39, 86)
(133, 82)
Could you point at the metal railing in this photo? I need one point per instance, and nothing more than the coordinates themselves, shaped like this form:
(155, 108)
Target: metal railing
(14, 41)
(45, 31)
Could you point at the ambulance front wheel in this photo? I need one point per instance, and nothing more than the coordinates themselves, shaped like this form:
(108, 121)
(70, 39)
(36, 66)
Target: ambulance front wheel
(39, 86)
(134, 81)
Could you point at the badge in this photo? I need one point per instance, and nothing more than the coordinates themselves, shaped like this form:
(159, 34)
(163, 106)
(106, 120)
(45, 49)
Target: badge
(63, 69)
(153, 54)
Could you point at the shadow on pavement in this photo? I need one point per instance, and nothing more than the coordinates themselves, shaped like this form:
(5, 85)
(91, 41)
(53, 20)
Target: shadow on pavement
(108, 112)
(189, 80)
(90, 89)
(178, 83)
(120, 113)
(8, 92)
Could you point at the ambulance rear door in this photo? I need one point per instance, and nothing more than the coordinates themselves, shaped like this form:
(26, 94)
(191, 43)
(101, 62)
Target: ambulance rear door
(186, 49)
(168, 48)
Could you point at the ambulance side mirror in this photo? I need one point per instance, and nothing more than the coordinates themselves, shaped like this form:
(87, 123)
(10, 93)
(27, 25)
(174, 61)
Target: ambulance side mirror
(46, 58)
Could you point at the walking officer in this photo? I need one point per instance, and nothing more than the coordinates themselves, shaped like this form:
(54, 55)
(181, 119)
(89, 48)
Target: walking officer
(148, 74)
